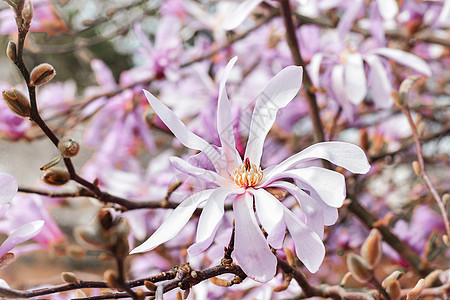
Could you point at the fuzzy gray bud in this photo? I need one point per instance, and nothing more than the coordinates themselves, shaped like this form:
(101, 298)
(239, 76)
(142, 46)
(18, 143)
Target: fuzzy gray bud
(11, 50)
(42, 74)
(17, 102)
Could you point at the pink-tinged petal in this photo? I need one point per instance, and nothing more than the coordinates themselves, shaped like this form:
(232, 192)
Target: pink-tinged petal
(202, 174)
(355, 78)
(8, 188)
(181, 132)
(239, 13)
(143, 39)
(209, 221)
(270, 214)
(314, 68)
(310, 207)
(444, 16)
(103, 74)
(308, 246)
(174, 222)
(24, 233)
(388, 9)
(278, 92)
(346, 155)
(347, 19)
(250, 247)
(380, 83)
(338, 86)
(225, 123)
(329, 185)
(404, 58)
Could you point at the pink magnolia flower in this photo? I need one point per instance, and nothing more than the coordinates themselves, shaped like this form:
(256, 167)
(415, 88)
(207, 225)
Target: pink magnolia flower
(319, 191)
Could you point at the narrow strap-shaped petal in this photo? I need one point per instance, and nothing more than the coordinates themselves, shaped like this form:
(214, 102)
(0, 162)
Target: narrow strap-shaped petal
(346, 155)
(380, 84)
(355, 78)
(239, 13)
(388, 9)
(20, 235)
(181, 132)
(278, 92)
(225, 123)
(174, 222)
(329, 185)
(310, 207)
(250, 247)
(404, 58)
(103, 74)
(202, 174)
(348, 18)
(308, 246)
(209, 221)
(270, 214)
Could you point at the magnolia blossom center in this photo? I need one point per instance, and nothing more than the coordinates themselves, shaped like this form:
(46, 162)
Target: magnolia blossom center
(247, 174)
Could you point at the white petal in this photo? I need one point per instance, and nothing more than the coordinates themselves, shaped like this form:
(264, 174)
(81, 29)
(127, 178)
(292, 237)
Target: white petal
(348, 18)
(404, 58)
(8, 188)
(270, 214)
(200, 173)
(24, 233)
(355, 78)
(181, 132)
(338, 86)
(388, 9)
(310, 207)
(209, 221)
(239, 13)
(174, 222)
(444, 16)
(346, 155)
(380, 85)
(278, 92)
(308, 246)
(314, 68)
(329, 185)
(251, 250)
(225, 123)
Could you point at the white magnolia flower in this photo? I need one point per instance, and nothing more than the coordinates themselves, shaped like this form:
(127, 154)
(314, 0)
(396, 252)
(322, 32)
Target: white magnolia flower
(318, 191)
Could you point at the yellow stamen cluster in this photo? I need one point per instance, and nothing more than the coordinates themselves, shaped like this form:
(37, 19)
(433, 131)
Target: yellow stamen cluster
(247, 174)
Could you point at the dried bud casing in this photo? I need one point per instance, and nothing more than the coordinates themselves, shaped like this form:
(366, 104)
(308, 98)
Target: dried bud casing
(394, 291)
(27, 14)
(42, 74)
(56, 176)
(358, 267)
(11, 50)
(69, 277)
(371, 249)
(17, 102)
(415, 293)
(16, 5)
(68, 147)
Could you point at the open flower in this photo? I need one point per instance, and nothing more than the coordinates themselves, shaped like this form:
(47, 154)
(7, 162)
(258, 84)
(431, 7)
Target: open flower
(318, 191)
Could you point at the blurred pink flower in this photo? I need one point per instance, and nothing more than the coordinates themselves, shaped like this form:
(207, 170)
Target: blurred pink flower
(244, 182)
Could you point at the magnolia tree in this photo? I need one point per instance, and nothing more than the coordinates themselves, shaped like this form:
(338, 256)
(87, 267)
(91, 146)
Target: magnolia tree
(225, 149)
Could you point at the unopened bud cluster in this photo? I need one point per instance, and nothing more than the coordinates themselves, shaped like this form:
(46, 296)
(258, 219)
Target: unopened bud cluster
(17, 102)
(107, 233)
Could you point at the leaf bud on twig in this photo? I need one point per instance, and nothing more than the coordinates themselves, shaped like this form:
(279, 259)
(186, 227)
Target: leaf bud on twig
(358, 267)
(68, 147)
(391, 285)
(11, 50)
(416, 168)
(16, 5)
(27, 14)
(371, 249)
(111, 280)
(56, 176)
(416, 291)
(69, 277)
(17, 102)
(42, 74)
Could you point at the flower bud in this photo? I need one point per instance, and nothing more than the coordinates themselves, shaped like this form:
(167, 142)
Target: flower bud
(432, 277)
(42, 74)
(394, 291)
(11, 50)
(111, 280)
(17, 102)
(416, 291)
(69, 277)
(68, 147)
(150, 286)
(179, 296)
(358, 267)
(27, 14)
(421, 128)
(56, 176)
(220, 282)
(394, 277)
(371, 249)
(6, 259)
(16, 5)
(416, 168)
